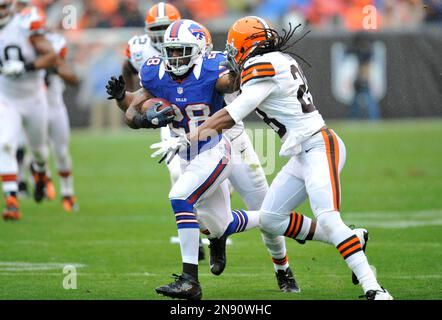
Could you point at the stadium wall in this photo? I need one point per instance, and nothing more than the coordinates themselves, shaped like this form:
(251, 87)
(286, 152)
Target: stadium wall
(407, 71)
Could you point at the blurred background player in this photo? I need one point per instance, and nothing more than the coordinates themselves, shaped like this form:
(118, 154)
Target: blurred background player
(59, 129)
(24, 54)
(364, 102)
(58, 122)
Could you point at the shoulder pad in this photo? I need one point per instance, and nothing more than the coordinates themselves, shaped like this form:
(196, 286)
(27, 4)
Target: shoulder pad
(33, 20)
(212, 62)
(257, 69)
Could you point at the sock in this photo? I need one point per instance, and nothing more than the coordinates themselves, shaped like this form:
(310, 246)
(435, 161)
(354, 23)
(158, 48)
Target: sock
(276, 247)
(189, 244)
(20, 155)
(188, 230)
(191, 269)
(66, 183)
(301, 227)
(9, 182)
(298, 226)
(350, 248)
(242, 221)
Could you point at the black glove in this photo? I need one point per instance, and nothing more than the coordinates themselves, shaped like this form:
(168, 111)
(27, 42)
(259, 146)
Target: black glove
(116, 88)
(152, 118)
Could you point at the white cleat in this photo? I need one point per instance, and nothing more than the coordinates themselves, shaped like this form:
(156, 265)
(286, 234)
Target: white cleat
(378, 295)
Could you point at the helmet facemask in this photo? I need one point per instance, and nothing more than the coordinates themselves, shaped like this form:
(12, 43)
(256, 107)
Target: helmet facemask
(180, 57)
(156, 31)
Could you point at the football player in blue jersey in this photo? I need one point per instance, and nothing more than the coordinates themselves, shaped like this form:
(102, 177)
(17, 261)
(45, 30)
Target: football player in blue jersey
(195, 85)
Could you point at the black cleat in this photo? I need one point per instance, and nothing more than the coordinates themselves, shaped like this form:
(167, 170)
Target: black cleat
(184, 287)
(218, 255)
(286, 281)
(40, 180)
(364, 235)
(377, 295)
(201, 251)
(23, 189)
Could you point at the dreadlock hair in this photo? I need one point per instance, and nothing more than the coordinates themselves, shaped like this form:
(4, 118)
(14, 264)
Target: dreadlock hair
(276, 42)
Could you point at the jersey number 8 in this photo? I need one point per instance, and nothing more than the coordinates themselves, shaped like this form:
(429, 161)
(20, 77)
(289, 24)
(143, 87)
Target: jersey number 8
(196, 113)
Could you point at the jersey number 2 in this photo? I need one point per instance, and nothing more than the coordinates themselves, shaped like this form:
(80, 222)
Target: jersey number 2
(304, 96)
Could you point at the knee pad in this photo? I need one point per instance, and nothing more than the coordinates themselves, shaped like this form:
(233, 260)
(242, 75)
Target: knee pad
(40, 154)
(254, 199)
(271, 222)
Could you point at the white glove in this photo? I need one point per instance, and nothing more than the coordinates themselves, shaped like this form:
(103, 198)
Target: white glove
(168, 148)
(13, 68)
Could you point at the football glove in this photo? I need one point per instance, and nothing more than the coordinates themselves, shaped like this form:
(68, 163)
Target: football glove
(13, 68)
(116, 88)
(168, 148)
(159, 118)
(152, 118)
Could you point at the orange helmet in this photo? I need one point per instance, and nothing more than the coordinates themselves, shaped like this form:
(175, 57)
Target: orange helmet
(244, 37)
(158, 18)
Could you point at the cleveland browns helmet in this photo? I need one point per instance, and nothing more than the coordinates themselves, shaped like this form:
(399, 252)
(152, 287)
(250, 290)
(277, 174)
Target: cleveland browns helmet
(158, 18)
(245, 35)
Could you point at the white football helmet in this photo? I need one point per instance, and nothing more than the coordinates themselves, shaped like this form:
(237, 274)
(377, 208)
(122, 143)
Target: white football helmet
(184, 43)
(5, 12)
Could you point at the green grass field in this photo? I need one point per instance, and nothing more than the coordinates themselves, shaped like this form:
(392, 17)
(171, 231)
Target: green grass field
(120, 238)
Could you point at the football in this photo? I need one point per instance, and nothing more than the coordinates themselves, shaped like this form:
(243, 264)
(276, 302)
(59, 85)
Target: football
(151, 102)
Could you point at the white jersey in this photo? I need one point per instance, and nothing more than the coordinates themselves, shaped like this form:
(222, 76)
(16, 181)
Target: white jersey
(55, 83)
(15, 45)
(238, 128)
(274, 86)
(139, 49)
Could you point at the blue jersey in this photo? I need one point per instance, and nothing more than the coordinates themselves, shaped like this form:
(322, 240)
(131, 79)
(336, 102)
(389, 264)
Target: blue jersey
(195, 98)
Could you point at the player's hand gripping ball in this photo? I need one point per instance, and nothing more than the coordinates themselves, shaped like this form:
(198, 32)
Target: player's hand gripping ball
(159, 112)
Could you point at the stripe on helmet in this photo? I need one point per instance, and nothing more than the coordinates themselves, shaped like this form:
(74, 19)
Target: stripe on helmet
(161, 9)
(264, 24)
(175, 29)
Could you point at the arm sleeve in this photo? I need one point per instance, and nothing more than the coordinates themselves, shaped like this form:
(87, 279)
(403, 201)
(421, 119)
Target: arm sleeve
(249, 99)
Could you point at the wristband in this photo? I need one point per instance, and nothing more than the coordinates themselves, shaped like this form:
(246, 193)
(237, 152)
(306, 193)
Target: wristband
(121, 98)
(140, 121)
(30, 66)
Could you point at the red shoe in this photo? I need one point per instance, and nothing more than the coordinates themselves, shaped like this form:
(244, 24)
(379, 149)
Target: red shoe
(50, 190)
(70, 204)
(12, 210)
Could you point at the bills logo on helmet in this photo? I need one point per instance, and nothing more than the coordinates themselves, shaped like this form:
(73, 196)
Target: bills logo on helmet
(197, 31)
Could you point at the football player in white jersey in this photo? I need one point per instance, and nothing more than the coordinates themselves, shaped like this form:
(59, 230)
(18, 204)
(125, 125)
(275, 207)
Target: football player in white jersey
(24, 54)
(59, 129)
(273, 84)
